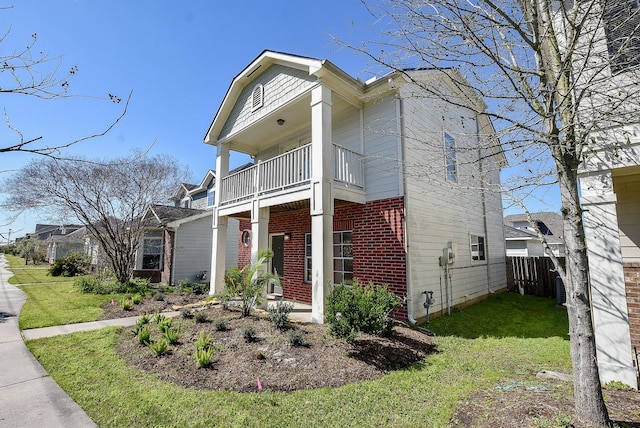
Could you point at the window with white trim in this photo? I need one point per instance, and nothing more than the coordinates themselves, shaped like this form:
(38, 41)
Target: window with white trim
(342, 257)
(211, 197)
(308, 273)
(151, 253)
(451, 166)
(257, 97)
(477, 247)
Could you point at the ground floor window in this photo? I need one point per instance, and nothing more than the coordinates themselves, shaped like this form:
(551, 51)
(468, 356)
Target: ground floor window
(477, 247)
(342, 257)
(152, 253)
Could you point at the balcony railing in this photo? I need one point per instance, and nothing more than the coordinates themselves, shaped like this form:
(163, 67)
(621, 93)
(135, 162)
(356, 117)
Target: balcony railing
(289, 171)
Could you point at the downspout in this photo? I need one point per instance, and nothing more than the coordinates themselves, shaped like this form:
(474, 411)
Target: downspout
(484, 206)
(403, 181)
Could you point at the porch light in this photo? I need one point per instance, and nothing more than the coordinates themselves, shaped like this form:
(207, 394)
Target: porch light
(280, 121)
(287, 237)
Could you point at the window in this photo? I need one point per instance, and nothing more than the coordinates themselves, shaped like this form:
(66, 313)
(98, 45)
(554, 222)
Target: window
(342, 257)
(246, 238)
(477, 247)
(151, 253)
(257, 97)
(451, 168)
(621, 20)
(308, 273)
(211, 198)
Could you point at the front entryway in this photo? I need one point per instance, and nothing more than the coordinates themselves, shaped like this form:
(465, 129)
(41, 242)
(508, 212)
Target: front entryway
(277, 262)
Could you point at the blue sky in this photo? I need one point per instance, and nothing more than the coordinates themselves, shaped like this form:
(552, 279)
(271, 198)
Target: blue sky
(178, 58)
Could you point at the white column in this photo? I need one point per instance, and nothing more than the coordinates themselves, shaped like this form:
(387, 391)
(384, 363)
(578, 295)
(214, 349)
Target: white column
(608, 293)
(321, 201)
(259, 238)
(219, 225)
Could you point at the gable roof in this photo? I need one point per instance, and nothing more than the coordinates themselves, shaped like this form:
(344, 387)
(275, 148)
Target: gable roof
(511, 233)
(549, 224)
(160, 215)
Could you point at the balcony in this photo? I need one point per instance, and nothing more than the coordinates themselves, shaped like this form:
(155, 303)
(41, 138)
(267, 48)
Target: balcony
(290, 171)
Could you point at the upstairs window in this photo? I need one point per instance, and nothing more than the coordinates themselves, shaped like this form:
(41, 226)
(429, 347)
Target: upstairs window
(451, 167)
(621, 24)
(257, 97)
(211, 198)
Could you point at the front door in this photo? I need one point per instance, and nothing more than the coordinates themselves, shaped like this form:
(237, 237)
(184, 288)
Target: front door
(277, 262)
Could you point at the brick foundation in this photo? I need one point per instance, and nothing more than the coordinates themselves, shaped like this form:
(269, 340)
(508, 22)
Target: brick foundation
(632, 285)
(378, 245)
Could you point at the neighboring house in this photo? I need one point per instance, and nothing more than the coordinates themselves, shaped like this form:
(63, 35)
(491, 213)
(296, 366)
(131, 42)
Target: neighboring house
(522, 238)
(330, 192)
(44, 231)
(59, 245)
(610, 196)
(177, 242)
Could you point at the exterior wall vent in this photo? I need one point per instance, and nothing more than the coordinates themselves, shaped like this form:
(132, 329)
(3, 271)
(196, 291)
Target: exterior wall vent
(257, 97)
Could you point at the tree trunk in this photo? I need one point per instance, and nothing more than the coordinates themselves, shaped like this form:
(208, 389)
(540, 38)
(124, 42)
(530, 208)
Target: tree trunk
(589, 402)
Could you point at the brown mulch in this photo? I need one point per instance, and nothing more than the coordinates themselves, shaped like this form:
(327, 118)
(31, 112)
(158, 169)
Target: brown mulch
(324, 361)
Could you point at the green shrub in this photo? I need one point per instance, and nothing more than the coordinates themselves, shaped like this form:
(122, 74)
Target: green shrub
(201, 317)
(136, 299)
(279, 314)
(158, 317)
(296, 338)
(360, 308)
(126, 303)
(247, 283)
(140, 324)
(72, 264)
(249, 333)
(199, 287)
(220, 324)
(91, 284)
(144, 335)
(165, 324)
(204, 340)
(157, 296)
(186, 313)
(203, 357)
(172, 335)
(144, 319)
(159, 347)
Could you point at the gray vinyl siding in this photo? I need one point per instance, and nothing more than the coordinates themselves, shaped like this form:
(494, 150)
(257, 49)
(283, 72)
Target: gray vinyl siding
(280, 83)
(193, 248)
(346, 129)
(440, 211)
(199, 201)
(381, 157)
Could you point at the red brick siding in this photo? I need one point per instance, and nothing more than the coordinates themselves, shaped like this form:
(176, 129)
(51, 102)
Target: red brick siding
(378, 245)
(632, 284)
(244, 252)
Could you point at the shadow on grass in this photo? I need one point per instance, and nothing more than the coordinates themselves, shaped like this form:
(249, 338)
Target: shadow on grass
(505, 315)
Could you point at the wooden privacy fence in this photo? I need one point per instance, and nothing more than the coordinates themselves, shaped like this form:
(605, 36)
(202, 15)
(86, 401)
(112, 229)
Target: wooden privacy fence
(535, 275)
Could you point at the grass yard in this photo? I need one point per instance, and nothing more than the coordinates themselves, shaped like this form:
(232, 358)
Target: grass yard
(113, 394)
(52, 300)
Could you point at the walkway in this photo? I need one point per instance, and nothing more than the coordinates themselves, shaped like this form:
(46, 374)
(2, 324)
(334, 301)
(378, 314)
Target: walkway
(29, 397)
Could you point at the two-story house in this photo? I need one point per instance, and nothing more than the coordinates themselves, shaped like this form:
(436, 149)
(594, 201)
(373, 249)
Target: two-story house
(176, 245)
(522, 236)
(371, 180)
(610, 188)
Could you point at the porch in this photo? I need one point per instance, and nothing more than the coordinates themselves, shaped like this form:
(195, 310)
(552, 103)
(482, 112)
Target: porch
(288, 178)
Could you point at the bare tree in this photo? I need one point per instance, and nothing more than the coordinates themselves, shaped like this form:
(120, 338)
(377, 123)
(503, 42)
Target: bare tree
(544, 69)
(27, 71)
(108, 197)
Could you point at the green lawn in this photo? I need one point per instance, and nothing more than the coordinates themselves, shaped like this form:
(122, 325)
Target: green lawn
(114, 395)
(52, 300)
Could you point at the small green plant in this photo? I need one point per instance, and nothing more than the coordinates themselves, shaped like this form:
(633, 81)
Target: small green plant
(144, 335)
(247, 283)
(126, 304)
(136, 299)
(220, 324)
(172, 335)
(157, 296)
(204, 340)
(203, 357)
(249, 333)
(186, 313)
(165, 324)
(296, 338)
(158, 317)
(618, 386)
(199, 288)
(201, 318)
(91, 285)
(144, 319)
(159, 347)
(360, 308)
(279, 314)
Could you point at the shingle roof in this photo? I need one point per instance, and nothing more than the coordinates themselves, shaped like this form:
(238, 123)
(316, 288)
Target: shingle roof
(166, 214)
(549, 224)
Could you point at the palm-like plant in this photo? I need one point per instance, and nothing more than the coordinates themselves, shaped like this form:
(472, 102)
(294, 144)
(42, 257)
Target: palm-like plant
(247, 283)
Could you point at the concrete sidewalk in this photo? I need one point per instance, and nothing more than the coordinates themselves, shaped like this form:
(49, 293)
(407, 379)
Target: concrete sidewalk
(29, 397)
